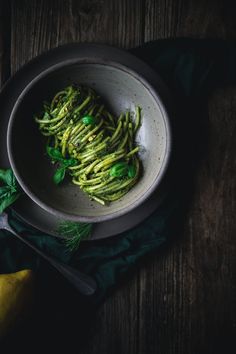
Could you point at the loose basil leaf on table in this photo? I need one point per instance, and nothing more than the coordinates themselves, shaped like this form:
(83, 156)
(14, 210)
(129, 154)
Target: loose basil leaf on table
(5, 191)
(8, 177)
(9, 192)
(7, 201)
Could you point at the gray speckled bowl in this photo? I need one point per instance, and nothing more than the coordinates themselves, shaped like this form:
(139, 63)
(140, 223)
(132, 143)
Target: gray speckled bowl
(122, 88)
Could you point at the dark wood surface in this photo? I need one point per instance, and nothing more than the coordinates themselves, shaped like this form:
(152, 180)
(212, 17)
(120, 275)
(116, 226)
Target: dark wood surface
(182, 301)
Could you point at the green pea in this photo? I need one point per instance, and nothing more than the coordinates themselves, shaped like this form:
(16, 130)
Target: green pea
(87, 120)
(120, 169)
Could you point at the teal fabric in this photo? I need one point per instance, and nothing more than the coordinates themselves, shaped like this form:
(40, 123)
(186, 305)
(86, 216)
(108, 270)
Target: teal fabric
(191, 69)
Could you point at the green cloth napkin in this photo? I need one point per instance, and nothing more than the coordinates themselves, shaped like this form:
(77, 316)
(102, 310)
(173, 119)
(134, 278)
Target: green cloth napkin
(191, 68)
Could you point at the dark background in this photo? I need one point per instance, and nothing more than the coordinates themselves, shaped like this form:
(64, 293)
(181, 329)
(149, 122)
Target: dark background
(182, 300)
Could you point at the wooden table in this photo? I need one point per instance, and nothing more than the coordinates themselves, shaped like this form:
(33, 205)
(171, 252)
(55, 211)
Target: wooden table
(183, 301)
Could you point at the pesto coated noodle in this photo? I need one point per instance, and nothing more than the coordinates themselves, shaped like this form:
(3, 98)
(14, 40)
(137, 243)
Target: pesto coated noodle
(96, 148)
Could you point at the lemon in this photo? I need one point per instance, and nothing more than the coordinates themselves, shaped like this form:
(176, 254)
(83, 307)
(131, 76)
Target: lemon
(16, 295)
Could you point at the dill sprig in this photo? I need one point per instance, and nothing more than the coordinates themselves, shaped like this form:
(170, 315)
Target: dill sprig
(74, 233)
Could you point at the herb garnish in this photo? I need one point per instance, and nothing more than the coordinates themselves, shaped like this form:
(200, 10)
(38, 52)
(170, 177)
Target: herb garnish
(56, 156)
(10, 191)
(74, 233)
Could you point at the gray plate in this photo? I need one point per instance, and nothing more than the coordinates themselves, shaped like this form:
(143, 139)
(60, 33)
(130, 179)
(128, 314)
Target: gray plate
(25, 207)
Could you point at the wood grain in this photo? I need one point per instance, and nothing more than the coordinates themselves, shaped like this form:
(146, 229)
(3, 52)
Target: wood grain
(40, 25)
(5, 33)
(192, 298)
(182, 300)
(181, 18)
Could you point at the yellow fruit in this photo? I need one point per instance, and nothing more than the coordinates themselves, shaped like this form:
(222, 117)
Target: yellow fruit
(16, 295)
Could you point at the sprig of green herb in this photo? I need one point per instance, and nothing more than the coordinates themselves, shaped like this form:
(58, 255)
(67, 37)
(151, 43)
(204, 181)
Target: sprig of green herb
(122, 169)
(56, 156)
(10, 191)
(74, 233)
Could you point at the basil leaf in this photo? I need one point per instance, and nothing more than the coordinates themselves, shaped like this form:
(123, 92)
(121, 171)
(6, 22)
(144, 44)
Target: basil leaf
(5, 191)
(59, 175)
(46, 116)
(10, 178)
(3, 175)
(120, 169)
(70, 162)
(131, 171)
(6, 202)
(55, 154)
(10, 191)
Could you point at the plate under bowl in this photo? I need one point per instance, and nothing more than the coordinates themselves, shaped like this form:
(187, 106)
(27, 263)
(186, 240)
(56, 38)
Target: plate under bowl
(122, 89)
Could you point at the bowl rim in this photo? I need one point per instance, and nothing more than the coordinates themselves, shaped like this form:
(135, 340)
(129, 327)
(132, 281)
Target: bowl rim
(156, 96)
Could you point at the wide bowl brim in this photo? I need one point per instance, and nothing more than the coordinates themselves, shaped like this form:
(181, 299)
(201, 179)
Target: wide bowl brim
(91, 55)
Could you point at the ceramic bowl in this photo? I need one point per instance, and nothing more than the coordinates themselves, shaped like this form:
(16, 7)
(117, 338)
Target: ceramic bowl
(122, 88)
